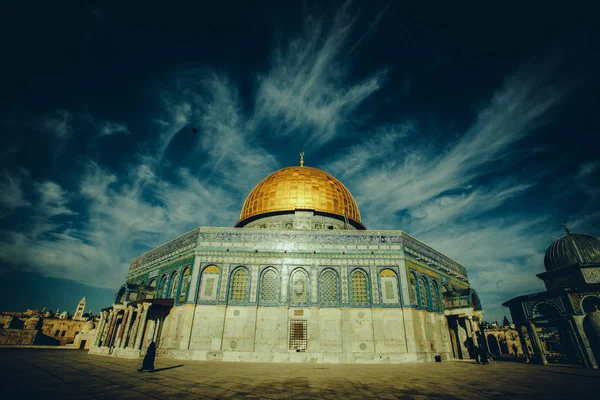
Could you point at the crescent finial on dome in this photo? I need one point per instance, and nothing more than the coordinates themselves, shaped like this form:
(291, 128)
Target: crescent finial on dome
(302, 159)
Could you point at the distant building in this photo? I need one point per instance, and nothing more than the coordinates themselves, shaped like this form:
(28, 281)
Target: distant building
(63, 330)
(31, 328)
(566, 315)
(78, 316)
(504, 340)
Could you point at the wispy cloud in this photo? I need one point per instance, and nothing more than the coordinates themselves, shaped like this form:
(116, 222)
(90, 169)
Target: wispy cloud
(53, 199)
(464, 206)
(113, 128)
(413, 177)
(12, 192)
(58, 123)
(228, 136)
(129, 213)
(307, 89)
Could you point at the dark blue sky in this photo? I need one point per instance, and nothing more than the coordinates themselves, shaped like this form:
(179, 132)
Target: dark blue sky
(472, 127)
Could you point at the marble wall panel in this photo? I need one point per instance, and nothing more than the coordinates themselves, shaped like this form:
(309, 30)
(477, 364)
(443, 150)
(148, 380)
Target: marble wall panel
(359, 336)
(239, 330)
(325, 329)
(271, 329)
(388, 331)
(207, 329)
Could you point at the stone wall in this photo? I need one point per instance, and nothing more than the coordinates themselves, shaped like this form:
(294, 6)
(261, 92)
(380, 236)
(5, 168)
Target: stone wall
(63, 330)
(334, 335)
(21, 337)
(10, 322)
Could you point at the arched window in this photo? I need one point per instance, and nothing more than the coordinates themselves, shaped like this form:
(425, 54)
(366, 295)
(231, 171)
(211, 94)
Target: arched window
(239, 285)
(389, 287)
(545, 309)
(185, 285)
(360, 288)
(152, 283)
(174, 285)
(423, 293)
(590, 303)
(414, 297)
(330, 295)
(162, 289)
(436, 304)
(269, 287)
(299, 287)
(209, 282)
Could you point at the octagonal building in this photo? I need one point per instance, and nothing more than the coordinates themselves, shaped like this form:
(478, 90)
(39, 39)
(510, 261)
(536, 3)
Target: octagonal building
(298, 279)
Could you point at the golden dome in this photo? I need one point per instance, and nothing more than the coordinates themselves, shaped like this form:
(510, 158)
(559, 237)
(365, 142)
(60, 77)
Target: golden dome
(303, 188)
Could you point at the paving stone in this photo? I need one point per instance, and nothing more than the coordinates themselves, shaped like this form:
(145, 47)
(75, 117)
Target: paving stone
(54, 374)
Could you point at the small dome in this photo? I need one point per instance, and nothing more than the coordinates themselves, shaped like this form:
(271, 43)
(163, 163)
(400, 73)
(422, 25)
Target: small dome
(572, 249)
(88, 326)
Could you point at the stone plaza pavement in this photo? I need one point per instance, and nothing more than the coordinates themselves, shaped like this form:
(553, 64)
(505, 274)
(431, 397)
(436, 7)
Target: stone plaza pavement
(73, 374)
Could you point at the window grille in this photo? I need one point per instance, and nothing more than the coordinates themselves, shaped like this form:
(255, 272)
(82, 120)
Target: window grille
(298, 335)
(435, 300)
(269, 288)
(413, 290)
(239, 285)
(185, 285)
(329, 288)
(163, 288)
(174, 284)
(360, 293)
(423, 293)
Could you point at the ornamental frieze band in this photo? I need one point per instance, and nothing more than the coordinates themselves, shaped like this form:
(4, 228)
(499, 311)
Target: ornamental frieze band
(206, 236)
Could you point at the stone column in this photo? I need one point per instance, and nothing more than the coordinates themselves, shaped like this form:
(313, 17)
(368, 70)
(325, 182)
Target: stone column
(134, 327)
(127, 327)
(454, 340)
(100, 328)
(107, 325)
(141, 326)
(472, 330)
(537, 344)
(111, 329)
(156, 332)
(462, 336)
(122, 328)
(469, 331)
(523, 342)
(583, 344)
(570, 343)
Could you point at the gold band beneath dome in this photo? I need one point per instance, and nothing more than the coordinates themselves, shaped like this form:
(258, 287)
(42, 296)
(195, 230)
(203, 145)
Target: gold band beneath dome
(300, 187)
